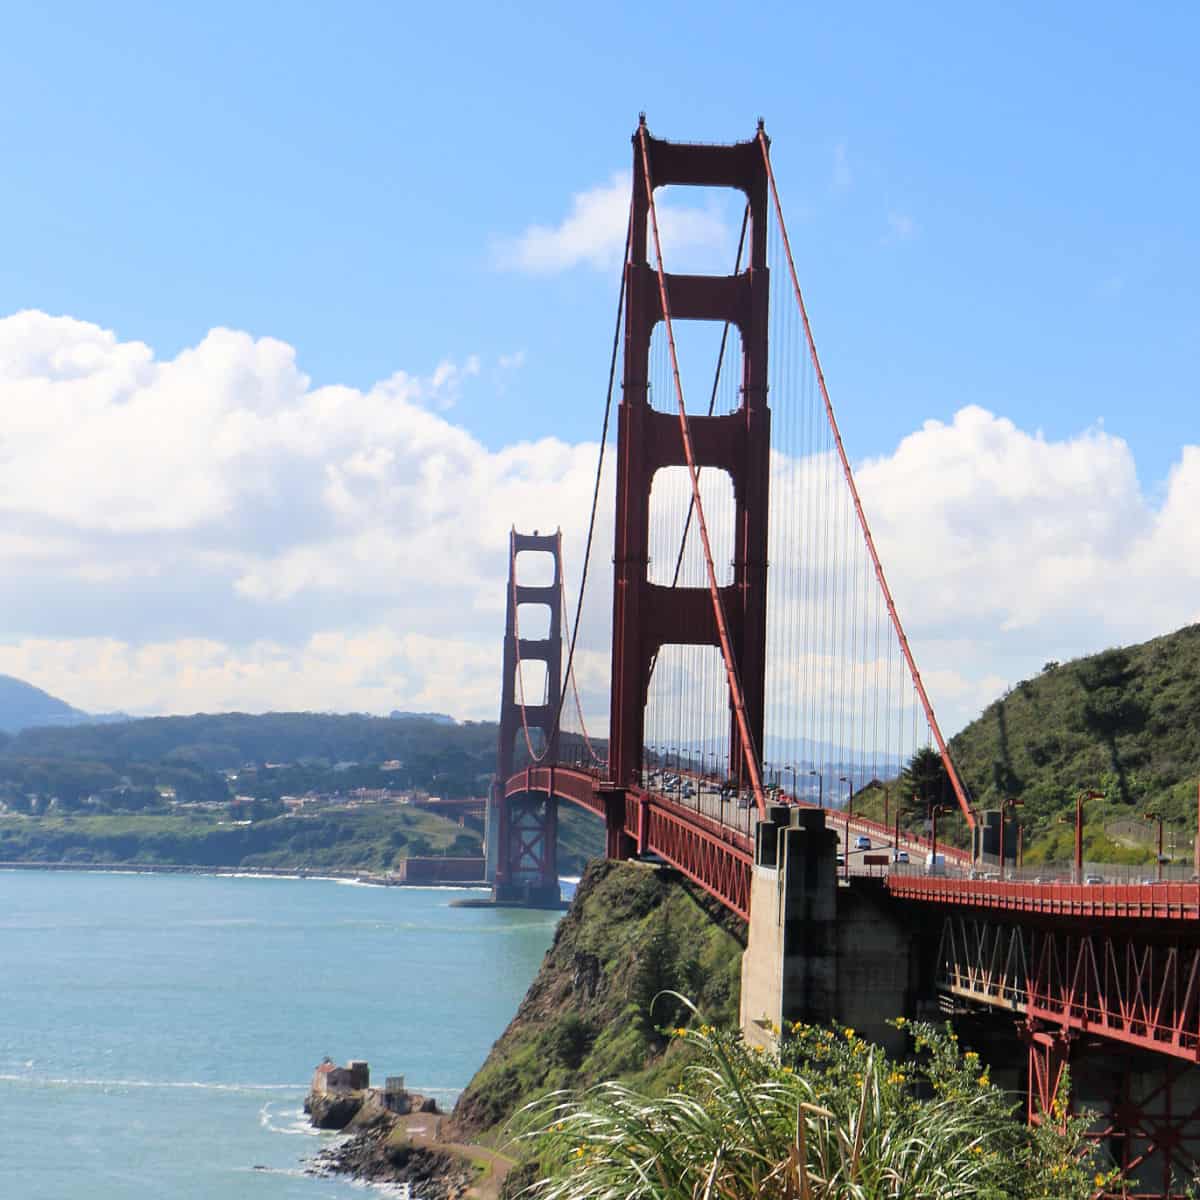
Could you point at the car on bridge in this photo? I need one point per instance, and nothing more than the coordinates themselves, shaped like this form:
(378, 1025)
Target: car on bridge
(862, 842)
(900, 856)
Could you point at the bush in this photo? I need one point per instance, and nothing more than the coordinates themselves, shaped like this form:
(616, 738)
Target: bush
(826, 1115)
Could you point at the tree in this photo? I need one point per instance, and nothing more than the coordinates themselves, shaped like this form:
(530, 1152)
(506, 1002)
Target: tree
(925, 776)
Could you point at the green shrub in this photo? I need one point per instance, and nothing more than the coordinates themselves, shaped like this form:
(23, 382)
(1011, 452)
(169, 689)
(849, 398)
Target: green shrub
(826, 1116)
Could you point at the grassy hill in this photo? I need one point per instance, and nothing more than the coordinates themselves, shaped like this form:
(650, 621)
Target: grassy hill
(1124, 722)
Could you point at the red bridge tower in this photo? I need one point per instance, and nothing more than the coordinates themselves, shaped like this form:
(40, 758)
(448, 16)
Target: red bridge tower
(522, 830)
(647, 616)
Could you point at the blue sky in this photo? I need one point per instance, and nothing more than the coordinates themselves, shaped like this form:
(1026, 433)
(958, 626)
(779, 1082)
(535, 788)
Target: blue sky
(992, 206)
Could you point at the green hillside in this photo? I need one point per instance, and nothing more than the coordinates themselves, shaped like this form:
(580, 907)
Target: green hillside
(1125, 722)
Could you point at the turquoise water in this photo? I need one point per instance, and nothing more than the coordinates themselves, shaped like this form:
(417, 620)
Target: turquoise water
(157, 1032)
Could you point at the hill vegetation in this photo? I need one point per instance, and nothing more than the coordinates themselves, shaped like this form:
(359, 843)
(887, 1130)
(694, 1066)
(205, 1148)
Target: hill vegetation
(591, 1013)
(125, 791)
(1124, 722)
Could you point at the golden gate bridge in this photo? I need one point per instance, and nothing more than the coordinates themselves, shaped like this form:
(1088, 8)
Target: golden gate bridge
(741, 638)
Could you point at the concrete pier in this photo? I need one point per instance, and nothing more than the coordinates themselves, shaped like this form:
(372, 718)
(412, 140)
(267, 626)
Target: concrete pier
(819, 950)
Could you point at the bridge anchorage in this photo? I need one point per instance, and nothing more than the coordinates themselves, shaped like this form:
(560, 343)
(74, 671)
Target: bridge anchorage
(763, 699)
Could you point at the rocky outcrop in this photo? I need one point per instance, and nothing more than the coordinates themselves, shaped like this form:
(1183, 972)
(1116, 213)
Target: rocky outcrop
(343, 1110)
(382, 1153)
(333, 1110)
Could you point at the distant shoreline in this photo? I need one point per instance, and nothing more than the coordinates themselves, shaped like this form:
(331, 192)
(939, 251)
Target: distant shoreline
(136, 868)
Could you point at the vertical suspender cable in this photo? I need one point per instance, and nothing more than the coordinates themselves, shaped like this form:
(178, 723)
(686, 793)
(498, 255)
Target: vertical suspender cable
(959, 791)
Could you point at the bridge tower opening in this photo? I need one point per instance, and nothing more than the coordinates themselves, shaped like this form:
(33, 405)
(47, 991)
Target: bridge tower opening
(648, 615)
(521, 842)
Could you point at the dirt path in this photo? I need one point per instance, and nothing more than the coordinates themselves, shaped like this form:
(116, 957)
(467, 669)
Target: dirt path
(424, 1129)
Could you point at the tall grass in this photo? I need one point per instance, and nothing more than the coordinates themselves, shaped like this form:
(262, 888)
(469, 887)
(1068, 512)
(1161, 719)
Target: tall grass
(824, 1117)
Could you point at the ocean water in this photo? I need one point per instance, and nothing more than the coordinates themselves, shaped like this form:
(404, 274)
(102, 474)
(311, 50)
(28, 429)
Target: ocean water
(158, 1032)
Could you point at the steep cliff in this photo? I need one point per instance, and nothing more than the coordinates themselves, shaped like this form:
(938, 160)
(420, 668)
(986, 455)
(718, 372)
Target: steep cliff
(632, 932)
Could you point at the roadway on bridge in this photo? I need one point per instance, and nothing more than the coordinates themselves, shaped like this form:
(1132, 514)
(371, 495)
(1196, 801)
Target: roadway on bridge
(736, 811)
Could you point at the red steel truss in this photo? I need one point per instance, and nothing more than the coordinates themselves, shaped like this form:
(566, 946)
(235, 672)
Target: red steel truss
(1148, 1109)
(1132, 986)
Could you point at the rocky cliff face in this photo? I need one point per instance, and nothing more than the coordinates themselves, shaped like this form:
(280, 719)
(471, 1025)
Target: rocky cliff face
(632, 933)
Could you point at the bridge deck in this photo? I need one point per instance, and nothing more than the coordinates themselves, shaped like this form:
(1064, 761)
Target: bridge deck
(711, 843)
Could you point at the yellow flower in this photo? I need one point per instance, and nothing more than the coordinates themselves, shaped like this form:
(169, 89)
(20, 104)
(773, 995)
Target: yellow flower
(578, 1151)
(976, 1149)
(984, 1079)
(849, 1032)
(759, 1050)
(1099, 1181)
(896, 1077)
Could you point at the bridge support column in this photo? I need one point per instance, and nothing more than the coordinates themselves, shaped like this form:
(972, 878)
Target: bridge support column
(818, 952)
(618, 845)
(789, 968)
(529, 851)
(1147, 1105)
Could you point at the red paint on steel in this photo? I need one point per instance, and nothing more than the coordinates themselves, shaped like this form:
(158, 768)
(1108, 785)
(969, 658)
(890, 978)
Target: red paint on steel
(647, 616)
(712, 855)
(749, 743)
(1121, 983)
(526, 845)
(1121, 901)
(959, 790)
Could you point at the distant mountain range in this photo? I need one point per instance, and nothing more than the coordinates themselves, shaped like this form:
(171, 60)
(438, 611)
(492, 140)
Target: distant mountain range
(23, 706)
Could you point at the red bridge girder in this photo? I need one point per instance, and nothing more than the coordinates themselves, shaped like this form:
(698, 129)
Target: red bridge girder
(711, 855)
(1124, 983)
(1125, 901)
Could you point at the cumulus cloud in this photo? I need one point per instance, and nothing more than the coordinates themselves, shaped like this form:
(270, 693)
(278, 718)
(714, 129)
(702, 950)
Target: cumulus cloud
(593, 232)
(1007, 549)
(211, 531)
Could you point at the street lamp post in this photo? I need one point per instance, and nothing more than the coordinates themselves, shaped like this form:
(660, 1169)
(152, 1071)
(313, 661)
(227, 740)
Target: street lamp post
(899, 812)
(820, 788)
(1080, 800)
(885, 803)
(795, 793)
(934, 811)
(1158, 859)
(1006, 805)
(849, 812)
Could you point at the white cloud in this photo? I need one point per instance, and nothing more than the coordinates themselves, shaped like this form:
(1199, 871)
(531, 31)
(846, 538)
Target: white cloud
(901, 225)
(211, 531)
(593, 232)
(1006, 549)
